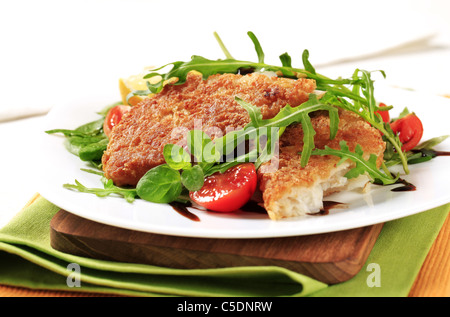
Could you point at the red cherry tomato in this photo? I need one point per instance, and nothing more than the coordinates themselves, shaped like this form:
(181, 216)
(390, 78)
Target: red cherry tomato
(383, 113)
(409, 130)
(228, 191)
(113, 118)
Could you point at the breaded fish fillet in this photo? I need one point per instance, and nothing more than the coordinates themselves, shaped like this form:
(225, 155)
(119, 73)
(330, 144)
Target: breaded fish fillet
(292, 190)
(136, 143)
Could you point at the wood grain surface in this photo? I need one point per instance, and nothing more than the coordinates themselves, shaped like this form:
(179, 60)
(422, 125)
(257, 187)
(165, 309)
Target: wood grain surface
(331, 258)
(433, 279)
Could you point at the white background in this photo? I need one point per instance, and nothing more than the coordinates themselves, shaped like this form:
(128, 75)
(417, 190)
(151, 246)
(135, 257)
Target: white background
(53, 51)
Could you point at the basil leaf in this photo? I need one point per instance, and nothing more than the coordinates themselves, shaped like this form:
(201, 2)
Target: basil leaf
(176, 157)
(193, 178)
(161, 184)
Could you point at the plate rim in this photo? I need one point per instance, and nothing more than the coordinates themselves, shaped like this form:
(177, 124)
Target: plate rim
(45, 191)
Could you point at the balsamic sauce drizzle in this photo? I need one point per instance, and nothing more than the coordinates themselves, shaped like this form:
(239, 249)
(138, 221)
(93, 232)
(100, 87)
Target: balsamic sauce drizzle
(442, 153)
(327, 206)
(182, 210)
(253, 206)
(407, 186)
(433, 153)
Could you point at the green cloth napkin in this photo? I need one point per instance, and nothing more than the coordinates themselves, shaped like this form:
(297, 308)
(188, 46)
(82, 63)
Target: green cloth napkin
(27, 260)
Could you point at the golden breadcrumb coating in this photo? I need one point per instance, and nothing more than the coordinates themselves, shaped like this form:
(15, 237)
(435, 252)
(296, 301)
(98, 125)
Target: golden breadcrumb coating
(321, 174)
(137, 142)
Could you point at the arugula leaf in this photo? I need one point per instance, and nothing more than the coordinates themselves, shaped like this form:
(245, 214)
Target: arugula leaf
(258, 48)
(421, 153)
(299, 114)
(222, 46)
(308, 66)
(178, 70)
(109, 189)
(362, 166)
(286, 60)
(364, 105)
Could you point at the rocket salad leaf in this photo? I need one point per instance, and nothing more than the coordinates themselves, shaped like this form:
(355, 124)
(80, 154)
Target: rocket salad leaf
(362, 166)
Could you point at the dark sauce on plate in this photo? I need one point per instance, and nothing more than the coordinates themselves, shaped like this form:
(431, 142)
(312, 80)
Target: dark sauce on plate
(407, 186)
(327, 206)
(441, 153)
(253, 206)
(433, 153)
(182, 209)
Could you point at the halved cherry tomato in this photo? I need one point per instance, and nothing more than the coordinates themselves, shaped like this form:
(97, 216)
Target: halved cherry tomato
(409, 130)
(113, 118)
(228, 191)
(383, 113)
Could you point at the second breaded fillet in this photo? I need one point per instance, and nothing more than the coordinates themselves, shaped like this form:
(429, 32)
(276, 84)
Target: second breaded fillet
(291, 190)
(136, 143)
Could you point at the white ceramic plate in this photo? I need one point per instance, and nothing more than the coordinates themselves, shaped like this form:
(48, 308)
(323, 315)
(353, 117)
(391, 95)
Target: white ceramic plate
(380, 205)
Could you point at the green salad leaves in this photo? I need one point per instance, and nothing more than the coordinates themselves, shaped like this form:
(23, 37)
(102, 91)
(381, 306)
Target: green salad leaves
(186, 168)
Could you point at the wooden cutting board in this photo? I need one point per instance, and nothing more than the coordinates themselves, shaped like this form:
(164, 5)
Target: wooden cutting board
(331, 257)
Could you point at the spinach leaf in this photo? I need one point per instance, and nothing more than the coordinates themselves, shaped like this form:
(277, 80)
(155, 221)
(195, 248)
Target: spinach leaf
(93, 151)
(161, 184)
(176, 157)
(193, 178)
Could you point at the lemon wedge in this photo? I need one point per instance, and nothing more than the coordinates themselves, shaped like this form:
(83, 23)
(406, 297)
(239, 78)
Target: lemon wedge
(135, 82)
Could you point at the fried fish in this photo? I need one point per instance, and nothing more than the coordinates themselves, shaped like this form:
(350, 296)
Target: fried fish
(137, 142)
